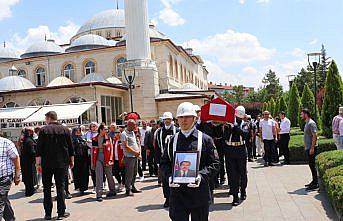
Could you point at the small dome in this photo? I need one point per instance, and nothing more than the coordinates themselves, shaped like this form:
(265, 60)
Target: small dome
(7, 54)
(42, 48)
(93, 77)
(59, 81)
(189, 86)
(153, 33)
(114, 80)
(89, 41)
(114, 18)
(13, 83)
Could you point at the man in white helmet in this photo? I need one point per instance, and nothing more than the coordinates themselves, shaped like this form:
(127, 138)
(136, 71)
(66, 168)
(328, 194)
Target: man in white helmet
(193, 198)
(234, 139)
(163, 135)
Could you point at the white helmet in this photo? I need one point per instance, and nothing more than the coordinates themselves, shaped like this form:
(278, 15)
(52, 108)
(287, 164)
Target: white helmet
(240, 112)
(167, 115)
(186, 109)
(197, 108)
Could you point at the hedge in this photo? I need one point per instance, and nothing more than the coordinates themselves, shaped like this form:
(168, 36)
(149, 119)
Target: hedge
(297, 149)
(330, 167)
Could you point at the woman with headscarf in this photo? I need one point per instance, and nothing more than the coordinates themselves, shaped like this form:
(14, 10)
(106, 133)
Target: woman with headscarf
(81, 166)
(28, 161)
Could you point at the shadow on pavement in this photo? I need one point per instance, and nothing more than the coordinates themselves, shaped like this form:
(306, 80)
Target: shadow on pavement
(221, 195)
(85, 200)
(220, 207)
(301, 191)
(150, 187)
(17, 195)
(39, 200)
(323, 198)
(146, 208)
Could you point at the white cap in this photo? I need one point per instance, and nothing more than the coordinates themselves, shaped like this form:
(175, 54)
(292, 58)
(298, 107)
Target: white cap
(167, 115)
(186, 109)
(240, 112)
(197, 108)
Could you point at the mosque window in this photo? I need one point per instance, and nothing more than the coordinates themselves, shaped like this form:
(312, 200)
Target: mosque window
(120, 67)
(39, 102)
(68, 71)
(22, 73)
(184, 75)
(111, 108)
(40, 77)
(98, 33)
(176, 70)
(10, 104)
(89, 67)
(108, 35)
(118, 34)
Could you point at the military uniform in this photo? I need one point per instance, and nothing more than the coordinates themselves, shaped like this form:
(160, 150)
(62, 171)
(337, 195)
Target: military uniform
(236, 153)
(184, 200)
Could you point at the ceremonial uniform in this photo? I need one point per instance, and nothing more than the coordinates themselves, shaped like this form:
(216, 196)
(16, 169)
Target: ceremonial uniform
(219, 143)
(185, 200)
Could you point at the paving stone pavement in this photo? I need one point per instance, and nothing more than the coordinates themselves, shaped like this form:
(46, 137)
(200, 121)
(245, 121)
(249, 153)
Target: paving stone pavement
(274, 193)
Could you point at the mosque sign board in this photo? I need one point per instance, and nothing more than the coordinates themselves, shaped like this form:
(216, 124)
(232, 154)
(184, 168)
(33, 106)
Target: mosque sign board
(218, 110)
(18, 123)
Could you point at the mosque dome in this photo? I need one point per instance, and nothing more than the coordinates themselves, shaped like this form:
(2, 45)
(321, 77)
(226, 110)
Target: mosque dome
(89, 41)
(114, 18)
(59, 81)
(13, 83)
(93, 77)
(7, 54)
(114, 80)
(189, 86)
(153, 33)
(48, 47)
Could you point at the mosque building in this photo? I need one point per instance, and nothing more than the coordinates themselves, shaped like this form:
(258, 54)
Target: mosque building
(88, 78)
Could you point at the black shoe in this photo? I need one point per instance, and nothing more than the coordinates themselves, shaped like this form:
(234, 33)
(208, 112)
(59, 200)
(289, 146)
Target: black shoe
(129, 193)
(312, 187)
(250, 160)
(111, 194)
(243, 196)
(307, 185)
(47, 217)
(68, 196)
(134, 190)
(266, 164)
(99, 199)
(63, 216)
(166, 203)
(235, 201)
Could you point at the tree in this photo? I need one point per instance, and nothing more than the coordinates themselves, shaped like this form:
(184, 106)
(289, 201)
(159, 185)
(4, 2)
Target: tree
(307, 101)
(283, 104)
(304, 77)
(264, 106)
(277, 106)
(293, 105)
(238, 93)
(333, 98)
(272, 107)
(273, 87)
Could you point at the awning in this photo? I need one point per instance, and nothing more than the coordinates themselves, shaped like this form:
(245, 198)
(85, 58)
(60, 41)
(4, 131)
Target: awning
(17, 112)
(64, 111)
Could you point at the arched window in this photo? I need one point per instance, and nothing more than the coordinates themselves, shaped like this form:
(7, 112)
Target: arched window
(68, 71)
(89, 67)
(22, 73)
(84, 118)
(39, 102)
(75, 100)
(10, 104)
(40, 77)
(120, 67)
(171, 65)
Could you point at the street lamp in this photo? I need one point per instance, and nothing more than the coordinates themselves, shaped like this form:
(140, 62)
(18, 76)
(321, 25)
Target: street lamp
(291, 79)
(12, 71)
(314, 61)
(130, 78)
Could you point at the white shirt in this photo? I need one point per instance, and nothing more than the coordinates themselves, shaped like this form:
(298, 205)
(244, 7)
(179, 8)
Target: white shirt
(142, 132)
(285, 126)
(267, 129)
(341, 128)
(116, 146)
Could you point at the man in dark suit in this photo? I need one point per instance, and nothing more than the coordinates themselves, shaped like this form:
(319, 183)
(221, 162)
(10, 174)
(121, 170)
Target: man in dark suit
(54, 154)
(184, 170)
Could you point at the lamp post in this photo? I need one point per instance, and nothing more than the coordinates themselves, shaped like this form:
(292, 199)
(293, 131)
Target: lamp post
(12, 71)
(291, 78)
(130, 78)
(314, 61)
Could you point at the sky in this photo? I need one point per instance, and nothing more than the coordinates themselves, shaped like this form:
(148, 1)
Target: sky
(239, 40)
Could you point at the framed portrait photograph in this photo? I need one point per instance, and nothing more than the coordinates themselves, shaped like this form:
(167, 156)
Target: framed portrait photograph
(186, 167)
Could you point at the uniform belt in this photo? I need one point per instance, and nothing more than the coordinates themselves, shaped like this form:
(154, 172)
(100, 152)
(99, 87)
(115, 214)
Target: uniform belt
(234, 144)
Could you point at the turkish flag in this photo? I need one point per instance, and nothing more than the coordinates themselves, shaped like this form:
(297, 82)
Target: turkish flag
(218, 110)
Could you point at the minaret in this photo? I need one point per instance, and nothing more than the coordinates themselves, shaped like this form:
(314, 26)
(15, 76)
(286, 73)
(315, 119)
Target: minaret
(137, 28)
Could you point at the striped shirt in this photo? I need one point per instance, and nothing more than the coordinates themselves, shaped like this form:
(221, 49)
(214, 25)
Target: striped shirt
(8, 152)
(335, 124)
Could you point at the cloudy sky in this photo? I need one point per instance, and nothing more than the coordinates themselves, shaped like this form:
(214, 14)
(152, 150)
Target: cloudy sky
(240, 40)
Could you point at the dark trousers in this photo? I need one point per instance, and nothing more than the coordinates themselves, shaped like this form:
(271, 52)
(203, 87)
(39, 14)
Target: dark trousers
(238, 169)
(153, 168)
(250, 149)
(59, 175)
(165, 185)
(283, 144)
(140, 171)
(179, 212)
(221, 154)
(144, 159)
(119, 172)
(66, 183)
(312, 164)
(6, 211)
(81, 173)
(92, 171)
(269, 146)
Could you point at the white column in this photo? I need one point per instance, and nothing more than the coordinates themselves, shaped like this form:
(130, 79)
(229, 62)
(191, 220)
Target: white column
(137, 29)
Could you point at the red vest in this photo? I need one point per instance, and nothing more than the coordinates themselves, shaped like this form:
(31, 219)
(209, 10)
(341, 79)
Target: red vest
(108, 150)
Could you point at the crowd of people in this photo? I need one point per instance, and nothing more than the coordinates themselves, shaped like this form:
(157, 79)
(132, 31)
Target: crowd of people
(117, 153)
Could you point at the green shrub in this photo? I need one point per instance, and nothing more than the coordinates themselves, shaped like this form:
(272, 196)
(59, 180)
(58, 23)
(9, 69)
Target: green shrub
(332, 172)
(329, 160)
(297, 149)
(334, 188)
